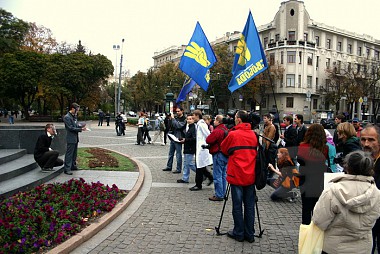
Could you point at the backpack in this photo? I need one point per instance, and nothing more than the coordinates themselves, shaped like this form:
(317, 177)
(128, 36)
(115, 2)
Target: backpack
(162, 126)
(261, 168)
(277, 134)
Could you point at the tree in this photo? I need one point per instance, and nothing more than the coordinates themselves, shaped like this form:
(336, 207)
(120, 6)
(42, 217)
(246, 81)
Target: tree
(39, 39)
(12, 32)
(21, 73)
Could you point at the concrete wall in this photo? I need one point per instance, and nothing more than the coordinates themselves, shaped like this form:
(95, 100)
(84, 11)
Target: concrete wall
(25, 137)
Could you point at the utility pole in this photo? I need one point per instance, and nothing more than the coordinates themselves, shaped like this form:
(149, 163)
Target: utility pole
(121, 66)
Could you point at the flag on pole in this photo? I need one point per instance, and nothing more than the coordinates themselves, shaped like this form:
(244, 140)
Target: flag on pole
(187, 86)
(249, 59)
(198, 58)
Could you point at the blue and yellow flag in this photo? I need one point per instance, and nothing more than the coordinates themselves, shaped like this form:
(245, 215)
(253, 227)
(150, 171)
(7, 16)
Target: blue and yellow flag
(249, 57)
(198, 58)
(187, 86)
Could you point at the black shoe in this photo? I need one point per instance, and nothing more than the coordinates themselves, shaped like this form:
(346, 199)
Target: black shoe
(135, 143)
(230, 234)
(167, 169)
(181, 181)
(74, 169)
(250, 240)
(47, 169)
(195, 188)
(176, 172)
(68, 172)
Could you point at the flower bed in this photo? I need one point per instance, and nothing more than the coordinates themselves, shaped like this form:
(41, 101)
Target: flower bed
(51, 213)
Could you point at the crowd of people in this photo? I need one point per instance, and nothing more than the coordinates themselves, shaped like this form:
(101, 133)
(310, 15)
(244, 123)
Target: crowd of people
(223, 151)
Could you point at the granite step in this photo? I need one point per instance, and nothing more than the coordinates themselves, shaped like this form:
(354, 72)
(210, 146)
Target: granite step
(17, 167)
(27, 181)
(7, 155)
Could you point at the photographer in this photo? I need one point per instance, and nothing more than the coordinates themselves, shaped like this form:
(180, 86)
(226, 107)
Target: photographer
(219, 159)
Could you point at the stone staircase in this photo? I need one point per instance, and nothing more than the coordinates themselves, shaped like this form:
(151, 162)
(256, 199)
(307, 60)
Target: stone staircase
(19, 172)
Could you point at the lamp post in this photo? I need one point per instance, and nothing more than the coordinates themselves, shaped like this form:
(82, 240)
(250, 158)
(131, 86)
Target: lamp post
(119, 87)
(116, 48)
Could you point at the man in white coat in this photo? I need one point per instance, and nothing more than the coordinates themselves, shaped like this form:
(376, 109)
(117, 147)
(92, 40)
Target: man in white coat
(202, 156)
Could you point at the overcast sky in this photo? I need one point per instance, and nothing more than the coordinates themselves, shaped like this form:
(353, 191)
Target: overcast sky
(149, 26)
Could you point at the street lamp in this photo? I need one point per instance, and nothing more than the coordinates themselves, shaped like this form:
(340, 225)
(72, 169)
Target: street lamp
(116, 48)
(121, 66)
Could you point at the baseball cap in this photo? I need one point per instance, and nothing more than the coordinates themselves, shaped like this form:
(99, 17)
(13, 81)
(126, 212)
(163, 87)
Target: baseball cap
(355, 120)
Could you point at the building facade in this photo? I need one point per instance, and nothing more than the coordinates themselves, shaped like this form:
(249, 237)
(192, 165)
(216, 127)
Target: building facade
(304, 49)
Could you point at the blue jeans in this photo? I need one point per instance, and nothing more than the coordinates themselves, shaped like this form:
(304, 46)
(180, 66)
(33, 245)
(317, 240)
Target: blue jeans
(219, 173)
(243, 225)
(177, 148)
(188, 163)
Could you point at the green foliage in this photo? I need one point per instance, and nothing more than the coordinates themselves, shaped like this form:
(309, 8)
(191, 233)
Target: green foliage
(12, 32)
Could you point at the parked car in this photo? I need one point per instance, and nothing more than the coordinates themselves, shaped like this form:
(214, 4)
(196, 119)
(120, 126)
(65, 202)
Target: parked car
(131, 113)
(328, 123)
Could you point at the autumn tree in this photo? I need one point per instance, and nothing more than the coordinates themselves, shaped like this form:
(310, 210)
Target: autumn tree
(39, 39)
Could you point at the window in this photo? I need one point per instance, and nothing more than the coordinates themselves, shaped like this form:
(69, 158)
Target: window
(309, 81)
(290, 80)
(368, 53)
(292, 35)
(339, 46)
(299, 80)
(359, 51)
(264, 102)
(282, 57)
(300, 57)
(305, 37)
(317, 63)
(291, 56)
(327, 62)
(328, 43)
(338, 65)
(282, 81)
(265, 42)
(349, 67)
(349, 49)
(317, 40)
(358, 68)
(309, 58)
(277, 37)
(289, 102)
(271, 59)
(315, 103)
(316, 84)
(377, 55)
(328, 82)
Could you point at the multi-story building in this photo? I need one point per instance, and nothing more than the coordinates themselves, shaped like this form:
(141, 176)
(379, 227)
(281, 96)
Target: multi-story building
(303, 49)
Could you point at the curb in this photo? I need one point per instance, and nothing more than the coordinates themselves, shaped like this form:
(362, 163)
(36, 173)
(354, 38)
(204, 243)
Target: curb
(88, 232)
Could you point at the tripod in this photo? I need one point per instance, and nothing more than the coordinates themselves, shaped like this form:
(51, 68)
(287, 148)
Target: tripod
(226, 195)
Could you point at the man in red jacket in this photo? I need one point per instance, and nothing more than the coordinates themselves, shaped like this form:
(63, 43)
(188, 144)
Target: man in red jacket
(218, 158)
(240, 145)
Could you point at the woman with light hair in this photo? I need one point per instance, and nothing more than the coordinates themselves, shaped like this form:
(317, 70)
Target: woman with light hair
(350, 142)
(348, 209)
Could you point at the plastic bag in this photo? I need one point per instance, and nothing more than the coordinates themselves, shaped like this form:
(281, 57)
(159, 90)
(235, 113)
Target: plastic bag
(310, 239)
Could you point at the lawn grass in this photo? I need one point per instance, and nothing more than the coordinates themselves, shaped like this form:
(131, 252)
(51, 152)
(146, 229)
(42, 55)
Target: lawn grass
(125, 164)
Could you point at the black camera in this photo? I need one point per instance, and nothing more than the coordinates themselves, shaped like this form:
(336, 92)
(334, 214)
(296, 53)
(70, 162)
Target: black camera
(205, 146)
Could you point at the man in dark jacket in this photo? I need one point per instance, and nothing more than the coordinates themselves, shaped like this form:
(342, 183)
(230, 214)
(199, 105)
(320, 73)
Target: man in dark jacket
(46, 157)
(300, 127)
(241, 147)
(72, 129)
(178, 125)
(214, 140)
(289, 137)
(370, 141)
(189, 149)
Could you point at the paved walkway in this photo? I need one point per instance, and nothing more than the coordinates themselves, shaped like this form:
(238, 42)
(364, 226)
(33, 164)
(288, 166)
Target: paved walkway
(168, 218)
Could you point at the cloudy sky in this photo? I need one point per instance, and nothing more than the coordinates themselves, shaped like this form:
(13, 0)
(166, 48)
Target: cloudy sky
(149, 26)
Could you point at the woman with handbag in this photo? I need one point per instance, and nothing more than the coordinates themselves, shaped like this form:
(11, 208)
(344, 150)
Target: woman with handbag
(348, 209)
(287, 178)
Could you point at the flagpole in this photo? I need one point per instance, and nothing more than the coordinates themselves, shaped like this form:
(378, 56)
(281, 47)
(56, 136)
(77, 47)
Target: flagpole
(274, 97)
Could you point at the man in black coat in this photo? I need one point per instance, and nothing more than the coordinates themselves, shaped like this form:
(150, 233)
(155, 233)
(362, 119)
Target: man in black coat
(289, 137)
(46, 157)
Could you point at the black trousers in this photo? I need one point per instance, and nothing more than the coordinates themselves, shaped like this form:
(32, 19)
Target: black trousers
(199, 173)
(50, 159)
(308, 204)
(376, 237)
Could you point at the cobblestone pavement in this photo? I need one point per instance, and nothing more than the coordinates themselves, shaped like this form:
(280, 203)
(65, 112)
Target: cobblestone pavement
(173, 219)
